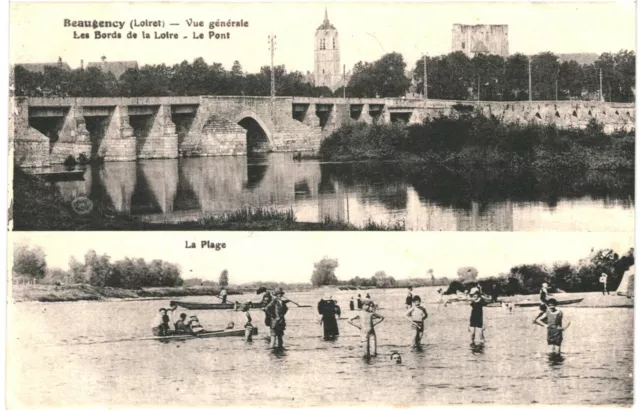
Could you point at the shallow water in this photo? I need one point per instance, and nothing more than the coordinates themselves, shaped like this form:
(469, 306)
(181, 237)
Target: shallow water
(186, 189)
(58, 358)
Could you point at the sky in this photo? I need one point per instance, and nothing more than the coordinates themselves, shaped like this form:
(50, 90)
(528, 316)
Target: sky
(366, 30)
(289, 256)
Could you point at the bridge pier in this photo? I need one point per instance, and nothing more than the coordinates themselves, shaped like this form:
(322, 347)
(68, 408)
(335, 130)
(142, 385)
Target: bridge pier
(118, 143)
(157, 137)
(30, 146)
(73, 138)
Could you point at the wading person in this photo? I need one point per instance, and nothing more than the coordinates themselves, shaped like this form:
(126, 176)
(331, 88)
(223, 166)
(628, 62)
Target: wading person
(416, 315)
(367, 328)
(328, 309)
(544, 295)
(351, 304)
(359, 302)
(408, 301)
(248, 326)
(553, 318)
(603, 280)
(276, 310)
(476, 321)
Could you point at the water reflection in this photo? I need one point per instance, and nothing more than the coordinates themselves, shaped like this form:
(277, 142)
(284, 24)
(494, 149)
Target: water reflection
(176, 190)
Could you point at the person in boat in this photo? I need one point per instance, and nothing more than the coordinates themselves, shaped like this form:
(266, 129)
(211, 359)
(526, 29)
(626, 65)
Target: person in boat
(359, 302)
(552, 319)
(368, 296)
(162, 324)
(223, 295)
(194, 325)
(367, 328)
(408, 301)
(328, 309)
(276, 310)
(416, 315)
(351, 304)
(182, 324)
(544, 296)
(476, 321)
(248, 326)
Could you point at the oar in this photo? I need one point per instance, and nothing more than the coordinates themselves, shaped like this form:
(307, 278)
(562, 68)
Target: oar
(298, 305)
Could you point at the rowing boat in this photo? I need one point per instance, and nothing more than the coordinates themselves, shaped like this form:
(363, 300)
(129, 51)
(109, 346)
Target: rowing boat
(202, 335)
(560, 302)
(212, 306)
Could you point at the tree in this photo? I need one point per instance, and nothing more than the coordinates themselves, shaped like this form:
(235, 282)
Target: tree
(382, 78)
(544, 73)
(236, 69)
(517, 77)
(467, 273)
(570, 80)
(224, 278)
(29, 262)
(324, 272)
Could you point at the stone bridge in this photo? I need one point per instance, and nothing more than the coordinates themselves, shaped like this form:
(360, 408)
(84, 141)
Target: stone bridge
(45, 131)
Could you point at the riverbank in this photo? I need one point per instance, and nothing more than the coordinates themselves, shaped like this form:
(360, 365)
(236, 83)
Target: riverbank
(38, 206)
(83, 292)
(469, 141)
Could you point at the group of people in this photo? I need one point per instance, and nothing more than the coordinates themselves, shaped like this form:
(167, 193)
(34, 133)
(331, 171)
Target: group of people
(275, 309)
(164, 325)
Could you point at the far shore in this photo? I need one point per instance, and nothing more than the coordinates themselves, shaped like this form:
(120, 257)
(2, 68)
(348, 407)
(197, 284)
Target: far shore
(75, 293)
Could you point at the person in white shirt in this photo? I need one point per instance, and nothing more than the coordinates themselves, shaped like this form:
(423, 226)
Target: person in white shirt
(603, 280)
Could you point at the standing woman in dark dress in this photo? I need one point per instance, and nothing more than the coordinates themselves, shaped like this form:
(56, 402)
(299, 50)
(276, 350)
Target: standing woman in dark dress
(328, 308)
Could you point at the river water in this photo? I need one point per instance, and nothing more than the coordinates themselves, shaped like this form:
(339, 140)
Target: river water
(61, 357)
(185, 189)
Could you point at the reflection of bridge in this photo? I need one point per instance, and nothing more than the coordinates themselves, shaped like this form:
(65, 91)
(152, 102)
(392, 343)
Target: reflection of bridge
(47, 130)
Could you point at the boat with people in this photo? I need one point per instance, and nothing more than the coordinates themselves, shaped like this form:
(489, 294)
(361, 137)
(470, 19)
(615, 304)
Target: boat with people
(214, 306)
(56, 176)
(202, 335)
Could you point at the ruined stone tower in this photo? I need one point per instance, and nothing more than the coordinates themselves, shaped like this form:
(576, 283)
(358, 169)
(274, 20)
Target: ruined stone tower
(327, 55)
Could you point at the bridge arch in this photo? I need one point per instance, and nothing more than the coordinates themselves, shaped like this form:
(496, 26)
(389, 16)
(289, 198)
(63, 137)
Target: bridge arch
(259, 136)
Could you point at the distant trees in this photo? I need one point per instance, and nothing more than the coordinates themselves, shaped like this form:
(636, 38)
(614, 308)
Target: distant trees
(324, 272)
(184, 79)
(383, 78)
(97, 270)
(456, 76)
(28, 262)
(224, 278)
(581, 277)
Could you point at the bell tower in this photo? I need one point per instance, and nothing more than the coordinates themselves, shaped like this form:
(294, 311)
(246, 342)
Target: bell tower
(327, 55)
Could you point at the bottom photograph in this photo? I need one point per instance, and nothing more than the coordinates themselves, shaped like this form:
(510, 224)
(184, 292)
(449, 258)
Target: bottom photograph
(319, 319)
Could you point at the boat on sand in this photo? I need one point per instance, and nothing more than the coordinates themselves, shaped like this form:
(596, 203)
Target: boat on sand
(213, 306)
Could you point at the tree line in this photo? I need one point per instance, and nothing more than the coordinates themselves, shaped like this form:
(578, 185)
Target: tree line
(562, 276)
(454, 76)
(29, 263)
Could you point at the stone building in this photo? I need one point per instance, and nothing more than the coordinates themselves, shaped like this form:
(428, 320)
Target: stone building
(328, 72)
(481, 38)
(39, 67)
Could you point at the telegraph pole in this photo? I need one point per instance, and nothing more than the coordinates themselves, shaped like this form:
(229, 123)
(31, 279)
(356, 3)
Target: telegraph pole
(556, 90)
(272, 47)
(478, 88)
(344, 81)
(529, 79)
(424, 66)
(601, 84)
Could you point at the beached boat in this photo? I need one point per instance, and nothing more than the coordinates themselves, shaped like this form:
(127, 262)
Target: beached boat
(202, 335)
(537, 303)
(213, 306)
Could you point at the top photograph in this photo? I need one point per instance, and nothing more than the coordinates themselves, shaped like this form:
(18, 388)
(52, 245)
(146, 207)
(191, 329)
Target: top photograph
(322, 116)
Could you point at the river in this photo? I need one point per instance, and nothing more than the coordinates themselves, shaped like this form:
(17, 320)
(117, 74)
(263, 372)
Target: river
(62, 357)
(175, 190)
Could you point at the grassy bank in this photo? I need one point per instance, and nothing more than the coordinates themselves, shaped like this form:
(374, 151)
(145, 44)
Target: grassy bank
(71, 293)
(38, 206)
(471, 140)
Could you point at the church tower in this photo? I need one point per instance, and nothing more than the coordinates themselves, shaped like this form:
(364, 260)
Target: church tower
(327, 55)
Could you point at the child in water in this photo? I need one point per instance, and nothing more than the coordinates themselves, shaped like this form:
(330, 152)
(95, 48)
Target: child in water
(367, 327)
(416, 315)
(553, 318)
(248, 326)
